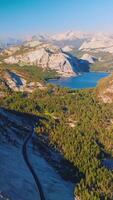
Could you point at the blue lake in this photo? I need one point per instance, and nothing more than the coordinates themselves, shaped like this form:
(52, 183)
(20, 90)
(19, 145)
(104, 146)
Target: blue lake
(85, 80)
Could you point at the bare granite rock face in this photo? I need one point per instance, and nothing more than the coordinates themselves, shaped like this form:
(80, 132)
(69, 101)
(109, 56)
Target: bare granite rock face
(18, 83)
(44, 55)
(91, 59)
(100, 42)
(16, 180)
(9, 51)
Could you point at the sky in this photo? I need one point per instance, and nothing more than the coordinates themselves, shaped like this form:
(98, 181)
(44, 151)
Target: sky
(30, 17)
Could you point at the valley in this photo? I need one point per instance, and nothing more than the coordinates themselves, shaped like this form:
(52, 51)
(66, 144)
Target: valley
(69, 153)
(56, 100)
(85, 145)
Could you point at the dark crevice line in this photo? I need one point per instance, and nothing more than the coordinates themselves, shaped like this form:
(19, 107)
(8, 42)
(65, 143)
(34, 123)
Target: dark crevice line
(30, 167)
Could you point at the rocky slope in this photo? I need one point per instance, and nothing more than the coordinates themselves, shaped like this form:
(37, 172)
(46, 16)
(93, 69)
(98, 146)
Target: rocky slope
(53, 51)
(91, 59)
(67, 48)
(99, 43)
(105, 89)
(18, 183)
(44, 55)
(13, 80)
(83, 40)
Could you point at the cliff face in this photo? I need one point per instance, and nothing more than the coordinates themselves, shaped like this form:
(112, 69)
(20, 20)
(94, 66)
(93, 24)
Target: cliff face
(44, 55)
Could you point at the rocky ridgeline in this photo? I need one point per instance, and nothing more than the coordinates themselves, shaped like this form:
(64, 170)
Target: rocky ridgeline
(44, 55)
(98, 43)
(95, 42)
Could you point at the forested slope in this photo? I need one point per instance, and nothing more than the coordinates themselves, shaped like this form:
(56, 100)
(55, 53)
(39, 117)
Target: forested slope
(80, 126)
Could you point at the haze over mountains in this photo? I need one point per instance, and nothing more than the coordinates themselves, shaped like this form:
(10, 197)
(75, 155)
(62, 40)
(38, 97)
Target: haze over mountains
(9, 41)
(80, 40)
(77, 39)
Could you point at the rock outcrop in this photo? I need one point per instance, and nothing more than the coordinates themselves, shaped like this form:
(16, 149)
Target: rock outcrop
(16, 82)
(99, 42)
(45, 55)
(91, 59)
(105, 89)
(67, 48)
(9, 51)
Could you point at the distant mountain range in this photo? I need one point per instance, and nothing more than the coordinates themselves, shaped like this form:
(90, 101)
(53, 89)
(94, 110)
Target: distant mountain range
(82, 40)
(8, 42)
(62, 39)
(68, 53)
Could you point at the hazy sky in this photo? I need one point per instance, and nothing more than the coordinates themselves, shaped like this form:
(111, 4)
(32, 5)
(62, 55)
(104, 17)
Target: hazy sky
(27, 17)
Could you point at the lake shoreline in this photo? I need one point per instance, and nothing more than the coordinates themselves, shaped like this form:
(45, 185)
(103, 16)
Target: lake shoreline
(82, 81)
